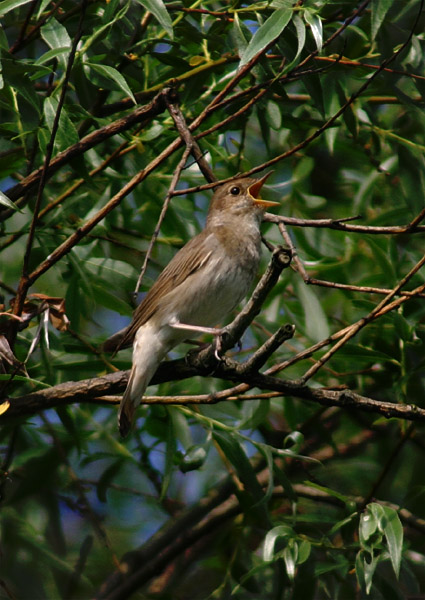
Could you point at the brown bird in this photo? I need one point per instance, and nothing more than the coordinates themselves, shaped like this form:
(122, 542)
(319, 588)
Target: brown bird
(202, 284)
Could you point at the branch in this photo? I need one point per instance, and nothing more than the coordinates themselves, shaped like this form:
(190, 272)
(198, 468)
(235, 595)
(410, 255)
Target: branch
(341, 225)
(143, 114)
(24, 281)
(93, 390)
(185, 134)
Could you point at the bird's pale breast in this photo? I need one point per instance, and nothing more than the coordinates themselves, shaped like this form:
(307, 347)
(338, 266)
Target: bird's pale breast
(208, 295)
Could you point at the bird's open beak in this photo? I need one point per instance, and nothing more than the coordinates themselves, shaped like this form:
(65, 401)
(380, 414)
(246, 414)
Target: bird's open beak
(254, 191)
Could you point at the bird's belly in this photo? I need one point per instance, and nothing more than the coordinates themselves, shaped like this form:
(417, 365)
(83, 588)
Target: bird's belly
(208, 296)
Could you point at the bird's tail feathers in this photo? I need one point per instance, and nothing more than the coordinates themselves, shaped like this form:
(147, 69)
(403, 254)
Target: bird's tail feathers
(147, 354)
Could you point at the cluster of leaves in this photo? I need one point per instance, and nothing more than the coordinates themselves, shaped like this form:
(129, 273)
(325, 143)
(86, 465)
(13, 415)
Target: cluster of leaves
(258, 495)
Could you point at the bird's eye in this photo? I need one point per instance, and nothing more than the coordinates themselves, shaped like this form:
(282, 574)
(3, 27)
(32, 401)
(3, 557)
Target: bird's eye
(235, 190)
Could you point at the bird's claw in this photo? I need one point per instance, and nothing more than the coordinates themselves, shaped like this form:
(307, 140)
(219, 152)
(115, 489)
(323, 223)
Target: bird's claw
(218, 349)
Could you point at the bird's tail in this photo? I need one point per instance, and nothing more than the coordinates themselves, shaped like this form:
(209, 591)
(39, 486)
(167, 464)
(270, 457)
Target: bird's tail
(148, 351)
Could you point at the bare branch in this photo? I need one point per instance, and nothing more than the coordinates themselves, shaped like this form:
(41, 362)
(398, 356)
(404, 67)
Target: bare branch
(144, 114)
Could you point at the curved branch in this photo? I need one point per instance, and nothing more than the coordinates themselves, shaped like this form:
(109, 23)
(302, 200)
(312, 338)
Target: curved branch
(140, 115)
(93, 390)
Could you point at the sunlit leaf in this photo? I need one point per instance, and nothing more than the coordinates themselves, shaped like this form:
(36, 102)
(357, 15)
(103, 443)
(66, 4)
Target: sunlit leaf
(8, 5)
(269, 31)
(281, 531)
(113, 75)
(5, 201)
(316, 27)
(159, 10)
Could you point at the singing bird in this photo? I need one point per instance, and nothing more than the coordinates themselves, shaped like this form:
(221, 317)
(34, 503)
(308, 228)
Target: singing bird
(199, 287)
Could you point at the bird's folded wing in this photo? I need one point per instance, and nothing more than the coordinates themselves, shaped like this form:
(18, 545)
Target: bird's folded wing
(193, 257)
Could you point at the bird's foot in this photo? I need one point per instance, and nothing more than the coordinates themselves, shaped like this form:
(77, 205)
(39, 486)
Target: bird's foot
(220, 340)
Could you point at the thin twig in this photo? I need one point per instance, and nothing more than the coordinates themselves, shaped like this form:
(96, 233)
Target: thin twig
(378, 311)
(165, 205)
(24, 282)
(187, 137)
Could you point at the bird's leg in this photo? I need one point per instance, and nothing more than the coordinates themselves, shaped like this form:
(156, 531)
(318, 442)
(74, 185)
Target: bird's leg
(196, 328)
(218, 333)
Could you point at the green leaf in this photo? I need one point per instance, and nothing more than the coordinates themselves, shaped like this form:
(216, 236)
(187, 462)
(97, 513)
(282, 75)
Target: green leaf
(43, 5)
(284, 481)
(5, 201)
(304, 550)
(316, 322)
(101, 31)
(23, 379)
(331, 105)
(328, 490)
(234, 452)
(290, 556)
(393, 531)
(300, 31)
(239, 35)
(269, 31)
(51, 54)
(368, 527)
(379, 10)
(66, 134)
(113, 75)
(9, 5)
(274, 115)
(266, 450)
(253, 413)
(181, 427)
(281, 531)
(159, 11)
(193, 459)
(365, 568)
(316, 27)
(56, 37)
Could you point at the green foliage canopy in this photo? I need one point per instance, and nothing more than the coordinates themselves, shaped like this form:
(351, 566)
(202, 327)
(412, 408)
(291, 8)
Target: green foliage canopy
(304, 480)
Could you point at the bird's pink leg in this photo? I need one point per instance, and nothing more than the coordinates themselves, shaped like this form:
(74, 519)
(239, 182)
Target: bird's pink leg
(199, 329)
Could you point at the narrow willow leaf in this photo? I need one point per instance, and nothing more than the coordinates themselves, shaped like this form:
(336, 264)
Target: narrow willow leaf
(316, 322)
(56, 37)
(51, 54)
(181, 427)
(269, 31)
(379, 10)
(270, 540)
(234, 452)
(66, 134)
(316, 28)
(290, 556)
(101, 31)
(159, 11)
(368, 526)
(5, 201)
(113, 75)
(9, 5)
(300, 29)
(238, 35)
(42, 6)
(393, 531)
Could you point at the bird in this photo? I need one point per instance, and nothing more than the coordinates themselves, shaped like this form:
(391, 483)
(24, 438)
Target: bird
(199, 287)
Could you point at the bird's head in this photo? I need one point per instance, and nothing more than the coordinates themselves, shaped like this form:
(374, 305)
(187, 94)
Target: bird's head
(240, 198)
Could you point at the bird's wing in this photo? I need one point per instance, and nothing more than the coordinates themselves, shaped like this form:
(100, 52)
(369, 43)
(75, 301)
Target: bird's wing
(191, 258)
